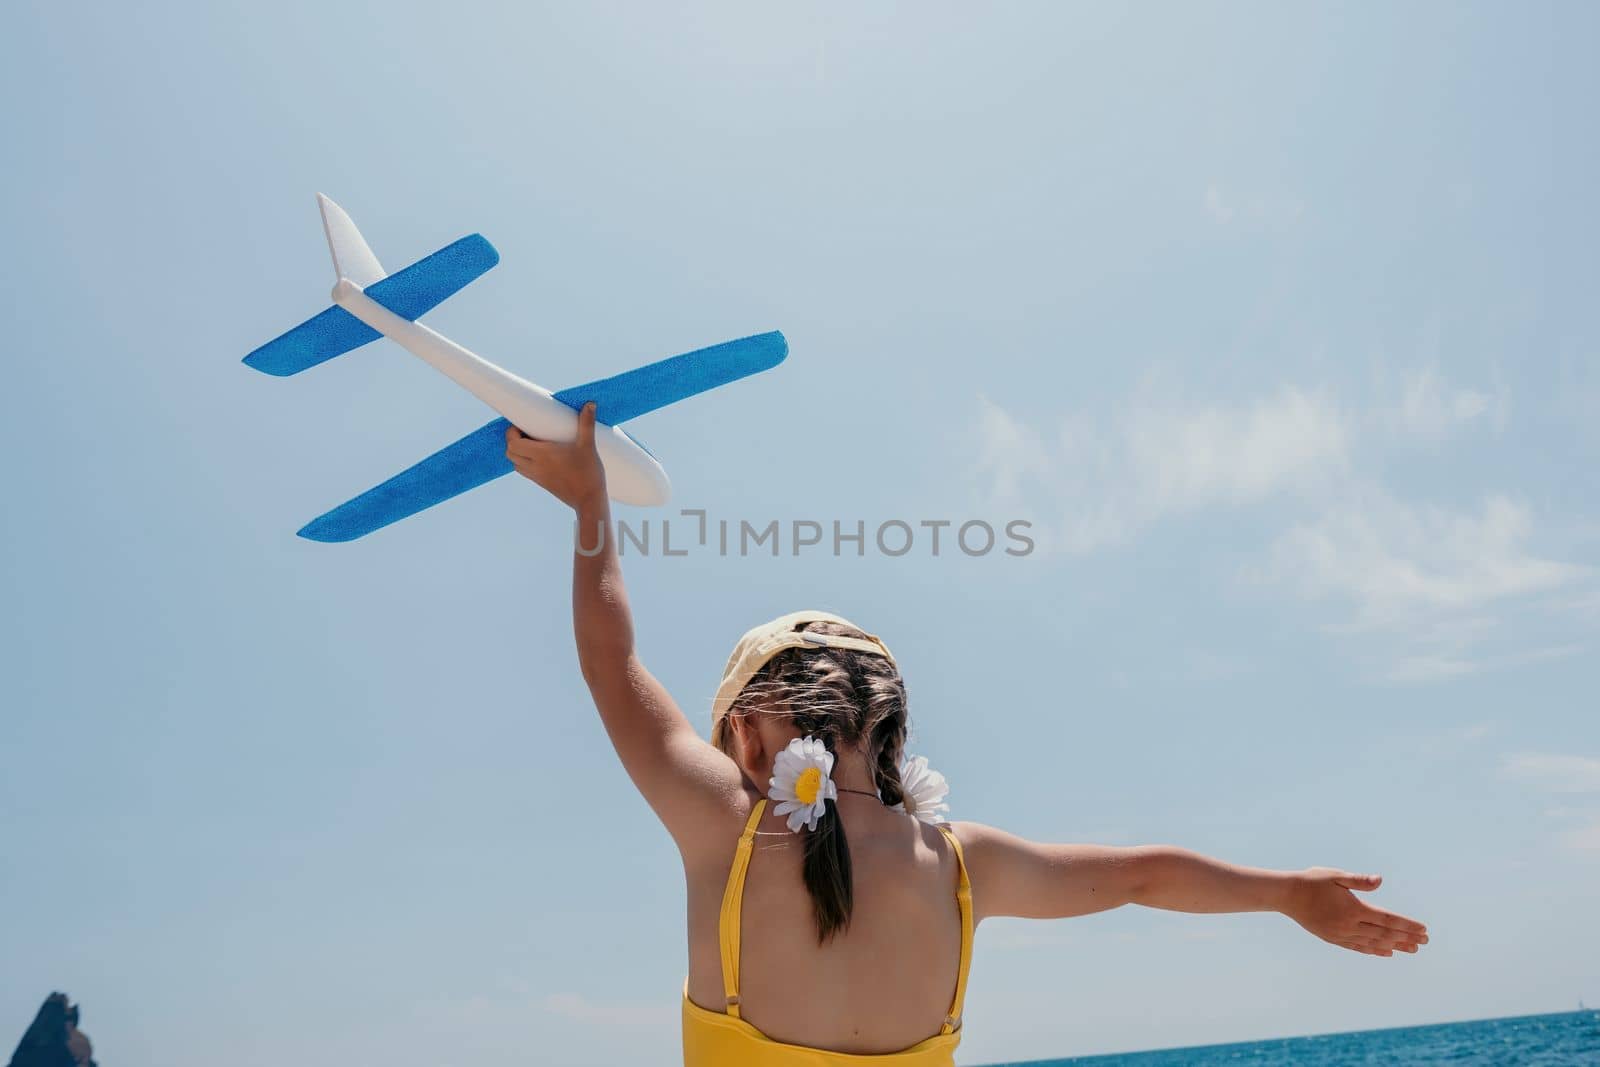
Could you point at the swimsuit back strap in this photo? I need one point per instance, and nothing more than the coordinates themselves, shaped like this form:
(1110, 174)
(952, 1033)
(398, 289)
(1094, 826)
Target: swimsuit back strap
(952, 1021)
(733, 904)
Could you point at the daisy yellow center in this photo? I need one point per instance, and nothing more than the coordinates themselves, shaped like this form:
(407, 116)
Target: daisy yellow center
(808, 785)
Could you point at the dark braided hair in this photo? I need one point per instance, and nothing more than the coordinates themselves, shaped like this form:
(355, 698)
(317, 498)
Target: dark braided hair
(843, 698)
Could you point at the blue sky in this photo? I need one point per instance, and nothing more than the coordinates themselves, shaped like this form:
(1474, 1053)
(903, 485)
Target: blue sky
(1278, 324)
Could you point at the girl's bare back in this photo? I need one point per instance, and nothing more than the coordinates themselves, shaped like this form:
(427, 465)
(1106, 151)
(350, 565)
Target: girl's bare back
(884, 983)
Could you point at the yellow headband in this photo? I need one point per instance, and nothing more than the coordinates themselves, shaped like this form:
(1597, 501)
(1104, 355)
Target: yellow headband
(763, 642)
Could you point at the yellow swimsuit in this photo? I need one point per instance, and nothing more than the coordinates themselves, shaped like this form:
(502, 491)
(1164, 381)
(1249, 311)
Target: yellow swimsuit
(715, 1039)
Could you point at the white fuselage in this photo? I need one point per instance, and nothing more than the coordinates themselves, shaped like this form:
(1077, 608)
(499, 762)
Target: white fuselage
(632, 475)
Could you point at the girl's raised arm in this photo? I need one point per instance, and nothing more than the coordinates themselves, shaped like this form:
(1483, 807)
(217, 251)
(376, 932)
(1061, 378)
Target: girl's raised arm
(693, 788)
(1011, 876)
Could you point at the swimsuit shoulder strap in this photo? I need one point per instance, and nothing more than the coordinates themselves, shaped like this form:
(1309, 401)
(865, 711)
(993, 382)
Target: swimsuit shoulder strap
(952, 1021)
(732, 905)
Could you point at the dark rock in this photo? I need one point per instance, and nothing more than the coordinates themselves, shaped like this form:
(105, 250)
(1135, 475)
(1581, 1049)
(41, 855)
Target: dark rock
(54, 1039)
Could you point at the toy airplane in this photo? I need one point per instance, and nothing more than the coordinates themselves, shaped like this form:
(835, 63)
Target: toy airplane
(369, 303)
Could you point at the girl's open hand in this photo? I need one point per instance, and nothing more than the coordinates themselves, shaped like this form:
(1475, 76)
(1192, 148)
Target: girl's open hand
(570, 470)
(1322, 901)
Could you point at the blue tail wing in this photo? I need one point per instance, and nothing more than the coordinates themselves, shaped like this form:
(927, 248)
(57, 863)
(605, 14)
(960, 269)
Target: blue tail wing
(476, 459)
(628, 395)
(427, 283)
(409, 293)
(330, 333)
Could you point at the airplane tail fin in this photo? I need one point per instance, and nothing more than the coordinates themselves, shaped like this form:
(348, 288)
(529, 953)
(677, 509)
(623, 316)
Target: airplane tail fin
(352, 258)
(409, 293)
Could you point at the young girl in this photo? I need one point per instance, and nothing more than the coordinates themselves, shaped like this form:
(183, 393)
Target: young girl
(831, 909)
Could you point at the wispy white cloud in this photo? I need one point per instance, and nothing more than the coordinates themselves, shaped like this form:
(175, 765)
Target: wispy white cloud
(1585, 838)
(1188, 458)
(1434, 583)
(1431, 408)
(1011, 454)
(1438, 581)
(1566, 775)
(1275, 210)
(1104, 481)
(1555, 772)
(1431, 667)
(1466, 659)
(1400, 563)
(1452, 742)
(1214, 204)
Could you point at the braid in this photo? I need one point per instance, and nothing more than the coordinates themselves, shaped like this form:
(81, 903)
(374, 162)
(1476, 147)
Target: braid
(887, 743)
(826, 869)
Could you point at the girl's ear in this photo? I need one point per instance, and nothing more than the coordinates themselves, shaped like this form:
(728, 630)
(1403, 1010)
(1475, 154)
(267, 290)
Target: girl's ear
(747, 745)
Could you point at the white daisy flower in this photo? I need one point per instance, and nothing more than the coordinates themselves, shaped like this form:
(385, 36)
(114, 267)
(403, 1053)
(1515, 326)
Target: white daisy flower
(800, 782)
(924, 790)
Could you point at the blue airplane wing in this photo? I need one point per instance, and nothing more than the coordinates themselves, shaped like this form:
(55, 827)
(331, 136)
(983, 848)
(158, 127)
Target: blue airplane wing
(480, 456)
(630, 394)
(477, 458)
(409, 293)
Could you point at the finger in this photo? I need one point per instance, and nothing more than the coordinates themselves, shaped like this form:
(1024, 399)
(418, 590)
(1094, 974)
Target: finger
(1398, 944)
(515, 437)
(1361, 883)
(586, 417)
(531, 448)
(1383, 936)
(586, 426)
(1379, 917)
(1354, 946)
(1373, 947)
(1391, 936)
(1377, 932)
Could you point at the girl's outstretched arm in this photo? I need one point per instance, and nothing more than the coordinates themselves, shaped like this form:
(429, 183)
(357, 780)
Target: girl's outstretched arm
(1011, 876)
(693, 788)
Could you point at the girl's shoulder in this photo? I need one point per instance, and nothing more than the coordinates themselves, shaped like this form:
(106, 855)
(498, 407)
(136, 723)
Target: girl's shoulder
(713, 838)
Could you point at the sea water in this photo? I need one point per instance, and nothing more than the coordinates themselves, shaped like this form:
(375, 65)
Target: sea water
(1544, 1040)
